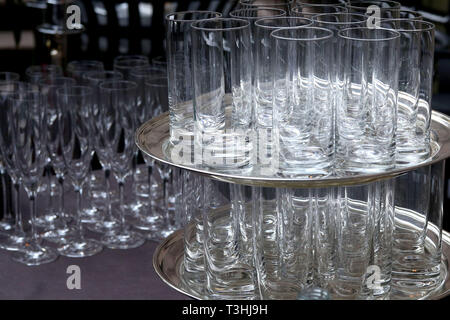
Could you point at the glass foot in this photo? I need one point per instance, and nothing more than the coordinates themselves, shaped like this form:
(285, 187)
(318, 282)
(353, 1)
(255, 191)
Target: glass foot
(7, 224)
(34, 254)
(59, 235)
(46, 221)
(105, 226)
(13, 242)
(80, 248)
(123, 240)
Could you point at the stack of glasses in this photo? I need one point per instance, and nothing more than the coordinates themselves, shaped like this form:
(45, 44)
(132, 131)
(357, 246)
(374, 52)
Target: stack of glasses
(306, 91)
(54, 124)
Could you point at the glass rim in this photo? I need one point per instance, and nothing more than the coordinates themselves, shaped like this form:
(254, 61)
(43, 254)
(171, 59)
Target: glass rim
(15, 74)
(147, 82)
(190, 11)
(369, 3)
(242, 27)
(410, 11)
(339, 22)
(430, 26)
(85, 62)
(329, 36)
(28, 86)
(105, 85)
(258, 22)
(286, 2)
(82, 91)
(140, 71)
(91, 74)
(42, 69)
(282, 13)
(395, 35)
(44, 81)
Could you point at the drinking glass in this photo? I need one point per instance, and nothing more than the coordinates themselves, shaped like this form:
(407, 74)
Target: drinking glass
(415, 60)
(117, 106)
(36, 73)
(263, 85)
(8, 220)
(222, 103)
(76, 69)
(416, 267)
(387, 9)
(285, 5)
(125, 64)
(15, 238)
(228, 276)
(26, 114)
(154, 89)
(57, 228)
(75, 132)
(366, 114)
(308, 10)
(303, 101)
(106, 221)
(180, 74)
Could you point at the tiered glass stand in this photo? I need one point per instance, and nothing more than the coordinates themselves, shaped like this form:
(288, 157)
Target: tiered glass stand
(152, 138)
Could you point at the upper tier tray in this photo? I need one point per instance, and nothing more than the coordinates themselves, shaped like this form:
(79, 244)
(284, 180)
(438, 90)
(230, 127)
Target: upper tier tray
(153, 135)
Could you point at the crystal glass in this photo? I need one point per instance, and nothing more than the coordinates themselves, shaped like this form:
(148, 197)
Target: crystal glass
(36, 73)
(367, 95)
(303, 101)
(222, 105)
(26, 114)
(285, 5)
(180, 74)
(263, 85)
(76, 69)
(15, 237)
(9, 76)
(57, 228)
(117, 106)
(228, 276)
(417, 269)
(387, 9)
(125, 64)
(309, 10)
(415, 80)
(75, 132)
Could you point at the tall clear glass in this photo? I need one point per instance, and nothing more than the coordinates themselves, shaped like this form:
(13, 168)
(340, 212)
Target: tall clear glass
(76, 69)
(366, 114)
(117, 107)
(180, 74)
(75, 103)
(415, 81)
(417, 268)
(303, 101)
(222, 103)
(26, 114)
(36, 73)
(56, 228)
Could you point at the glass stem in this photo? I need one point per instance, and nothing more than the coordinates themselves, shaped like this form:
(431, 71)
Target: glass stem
(108, 194)
(122, 211)
(50, 192)
(34, 235)
(150, 172)
(79, 223)
(61, 198)
(18, 212)
(6, 213)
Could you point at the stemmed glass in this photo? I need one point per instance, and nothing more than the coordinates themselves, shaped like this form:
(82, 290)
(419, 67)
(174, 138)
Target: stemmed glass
(117, 108)
(15, 239)
(75, 132)
(57, 230)
(107, 222)
(26, 114)
(8, 220)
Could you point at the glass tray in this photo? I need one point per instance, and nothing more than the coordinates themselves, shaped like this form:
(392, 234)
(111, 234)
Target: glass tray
(152, 139)
(168, 259)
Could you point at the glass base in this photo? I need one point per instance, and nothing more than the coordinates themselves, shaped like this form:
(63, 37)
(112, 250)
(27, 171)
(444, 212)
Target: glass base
(78, 248)
(7, 224)
(35, 255)
(105, 226)
(123, 240)
(13, 242)
(59, 235)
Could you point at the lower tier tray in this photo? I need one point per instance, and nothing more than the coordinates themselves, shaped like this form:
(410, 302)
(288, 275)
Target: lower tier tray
(168, 259)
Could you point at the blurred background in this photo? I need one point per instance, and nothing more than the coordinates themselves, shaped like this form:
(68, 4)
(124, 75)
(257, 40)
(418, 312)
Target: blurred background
(31, 34)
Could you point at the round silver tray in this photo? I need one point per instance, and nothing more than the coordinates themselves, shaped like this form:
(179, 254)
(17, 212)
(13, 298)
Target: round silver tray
(168, 258)
(152, 137)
